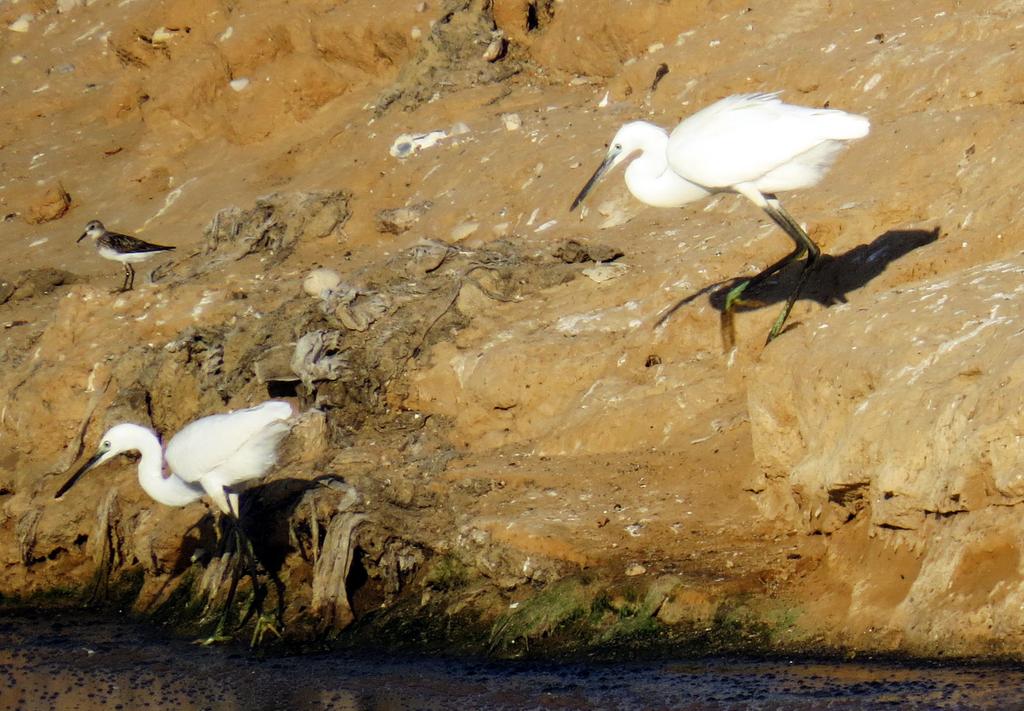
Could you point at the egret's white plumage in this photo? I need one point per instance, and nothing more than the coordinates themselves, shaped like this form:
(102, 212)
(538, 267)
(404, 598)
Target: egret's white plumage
(756, 140)
(211, 455)
(751, 144)
(221, 451)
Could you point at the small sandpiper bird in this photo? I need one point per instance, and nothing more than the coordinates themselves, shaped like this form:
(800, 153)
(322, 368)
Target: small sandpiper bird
(121, 248)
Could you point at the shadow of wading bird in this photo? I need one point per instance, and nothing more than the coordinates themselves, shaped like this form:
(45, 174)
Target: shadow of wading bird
(751, 144)
(121, 248)
(214, 456)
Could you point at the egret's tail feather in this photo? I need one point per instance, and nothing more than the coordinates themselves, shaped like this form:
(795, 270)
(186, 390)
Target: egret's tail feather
(804, 170)
(841, 126)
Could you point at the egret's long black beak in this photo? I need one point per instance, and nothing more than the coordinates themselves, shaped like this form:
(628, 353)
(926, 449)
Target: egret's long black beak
(84, 235)
(77, 475)
(601, 170)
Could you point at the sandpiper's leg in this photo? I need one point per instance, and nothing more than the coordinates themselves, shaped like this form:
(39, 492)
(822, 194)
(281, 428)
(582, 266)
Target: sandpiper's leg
(131, 279)
(124, 282)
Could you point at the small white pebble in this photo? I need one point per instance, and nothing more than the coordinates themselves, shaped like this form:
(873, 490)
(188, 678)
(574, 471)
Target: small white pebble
(239, 84)
(21, 24)
(634, 529)
(461, 232)
(604, 272)
(496, 48)
(162, 35)
(512, 122)
(320, 280)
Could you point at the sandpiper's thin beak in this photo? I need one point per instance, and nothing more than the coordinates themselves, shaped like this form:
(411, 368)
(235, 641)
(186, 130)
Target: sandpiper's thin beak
(77, 475)
(84, 235)
(601, 170)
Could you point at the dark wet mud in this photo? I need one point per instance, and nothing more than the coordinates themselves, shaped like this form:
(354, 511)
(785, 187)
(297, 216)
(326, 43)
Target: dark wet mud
(71, 660)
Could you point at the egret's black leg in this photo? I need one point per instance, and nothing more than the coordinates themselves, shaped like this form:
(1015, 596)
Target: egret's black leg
(244, 555)
(790, 226)
(250, 555)
(784, 220)
(784, 314)
(236, 574)
(804, 245)
(258, 597)
(733, 297)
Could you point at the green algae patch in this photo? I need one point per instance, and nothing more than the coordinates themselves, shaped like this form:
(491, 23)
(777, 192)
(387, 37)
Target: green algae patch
(58, 596)
(664, 617)
(119, 592)
(450, 610)
(583, 616)
(100, 593)
(447, 573)
(183, 607)
(555, 608)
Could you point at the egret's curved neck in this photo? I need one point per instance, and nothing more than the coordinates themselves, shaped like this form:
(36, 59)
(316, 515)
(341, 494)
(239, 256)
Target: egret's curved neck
(653, 159)
(649, 177)
(171, 490)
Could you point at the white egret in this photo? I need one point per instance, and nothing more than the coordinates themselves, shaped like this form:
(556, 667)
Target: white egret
(213, 455)
(751, 144)
(121, 248)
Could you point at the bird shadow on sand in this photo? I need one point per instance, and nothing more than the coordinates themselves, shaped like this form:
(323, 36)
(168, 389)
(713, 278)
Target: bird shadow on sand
(834, 276)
